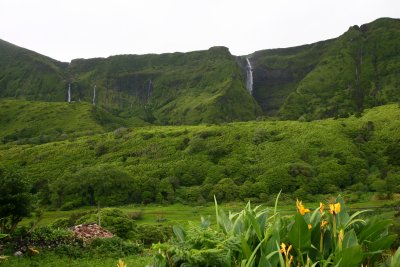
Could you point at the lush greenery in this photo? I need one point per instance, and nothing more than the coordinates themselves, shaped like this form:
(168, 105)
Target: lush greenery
(232, 161)
(337, 77)
(354, 73)
(327, 236)
(15, 199)
(59, 161)
(178, 88)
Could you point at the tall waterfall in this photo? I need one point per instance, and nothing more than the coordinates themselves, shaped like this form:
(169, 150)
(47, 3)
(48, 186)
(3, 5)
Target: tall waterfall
(94, 95)
(249, 72)
(69, 92)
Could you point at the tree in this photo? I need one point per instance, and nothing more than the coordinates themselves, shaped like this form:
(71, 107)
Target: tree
(15, 199)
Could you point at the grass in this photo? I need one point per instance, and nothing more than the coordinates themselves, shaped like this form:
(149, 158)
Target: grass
(176, 214)
(182, 214)
(50, 259)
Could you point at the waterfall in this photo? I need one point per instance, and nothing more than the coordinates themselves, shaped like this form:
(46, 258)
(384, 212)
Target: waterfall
(94, 95)
(249, 72)
(69, 92)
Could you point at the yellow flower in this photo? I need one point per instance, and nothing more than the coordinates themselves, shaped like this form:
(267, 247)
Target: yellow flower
(121, 263)
(309, 226)
(321, 207)
(33, 251)
(301, 208)
(324, 224)
(283, 249)
(334, 208)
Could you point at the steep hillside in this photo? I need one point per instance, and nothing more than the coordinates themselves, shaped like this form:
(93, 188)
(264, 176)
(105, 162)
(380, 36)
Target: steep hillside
(278, 72)
(232, 161)
(41, 122)
(178, 88)
(338, 77)
(25, 74)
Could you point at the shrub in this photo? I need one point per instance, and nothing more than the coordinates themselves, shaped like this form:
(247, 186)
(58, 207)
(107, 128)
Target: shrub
(150, 234)
(114, 220)
(115, 247)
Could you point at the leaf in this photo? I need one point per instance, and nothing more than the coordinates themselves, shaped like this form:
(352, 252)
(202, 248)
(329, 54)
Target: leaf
(255, 225)
(350, 257)
(300, 235)
(245, 247)
(276, 204)
(179, 233)
(395, 259)
(350, 239)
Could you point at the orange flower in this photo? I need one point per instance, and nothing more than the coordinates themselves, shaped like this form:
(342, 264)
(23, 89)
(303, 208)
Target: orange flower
(321, 207)
(324, 224)
(334, 208)
(301, 208)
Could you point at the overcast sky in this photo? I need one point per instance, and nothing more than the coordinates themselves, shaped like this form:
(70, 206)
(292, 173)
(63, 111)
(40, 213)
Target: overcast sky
(68, 29)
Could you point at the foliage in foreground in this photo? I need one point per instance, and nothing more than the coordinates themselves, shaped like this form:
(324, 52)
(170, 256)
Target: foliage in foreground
(261, 237)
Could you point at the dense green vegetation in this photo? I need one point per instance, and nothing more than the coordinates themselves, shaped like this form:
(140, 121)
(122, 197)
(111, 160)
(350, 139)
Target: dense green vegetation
(180, 128)
(327, 236)
(29, 75)
(43, 122)
(336, 77)
(232, 161)
(178, 88)
(357, 71)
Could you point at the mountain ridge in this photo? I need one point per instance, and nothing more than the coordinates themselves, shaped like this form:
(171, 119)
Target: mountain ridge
(309, 81)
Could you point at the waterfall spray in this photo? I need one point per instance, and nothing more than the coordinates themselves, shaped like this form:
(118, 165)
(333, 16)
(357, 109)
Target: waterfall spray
(69, 92)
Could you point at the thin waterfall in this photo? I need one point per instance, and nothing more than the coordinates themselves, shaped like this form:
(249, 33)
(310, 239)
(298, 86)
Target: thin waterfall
(94, 95)
(69, 92)
(249, 72)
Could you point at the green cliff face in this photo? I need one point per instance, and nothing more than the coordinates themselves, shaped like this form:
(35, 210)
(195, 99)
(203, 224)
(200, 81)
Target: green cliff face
(338, 77)
(179, 88)
(333, 78)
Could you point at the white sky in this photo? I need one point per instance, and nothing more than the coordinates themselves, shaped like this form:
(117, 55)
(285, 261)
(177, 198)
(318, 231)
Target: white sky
(68, 29)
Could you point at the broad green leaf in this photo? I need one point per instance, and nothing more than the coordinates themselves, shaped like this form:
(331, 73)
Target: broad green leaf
(350, 257)
(255, 225)
(245, 247)
(299, 234)
(179, 233)
(350, 239)
(395, 259)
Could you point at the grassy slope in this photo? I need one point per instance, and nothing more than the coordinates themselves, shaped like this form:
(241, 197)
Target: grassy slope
(42, 122)
(319, 156)
(28, 75)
